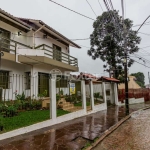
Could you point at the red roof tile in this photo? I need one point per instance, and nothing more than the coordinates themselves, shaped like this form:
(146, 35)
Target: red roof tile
(87, 75)
(108, 79)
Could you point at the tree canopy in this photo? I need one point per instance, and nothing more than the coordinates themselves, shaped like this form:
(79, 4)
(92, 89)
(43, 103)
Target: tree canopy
(107, 41)
(140, 78)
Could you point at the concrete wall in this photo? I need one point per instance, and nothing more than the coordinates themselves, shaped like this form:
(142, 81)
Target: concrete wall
(54, 119)
(17, 78)
(133, 101)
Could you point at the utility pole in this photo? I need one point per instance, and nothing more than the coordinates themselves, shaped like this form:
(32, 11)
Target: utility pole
(125, 62)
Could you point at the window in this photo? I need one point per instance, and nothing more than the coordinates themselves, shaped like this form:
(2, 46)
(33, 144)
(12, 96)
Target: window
(62, 83)
(28, 80)
(4, 79)
(43, 83)
(108, 92)
(56, 52)
(4, 40)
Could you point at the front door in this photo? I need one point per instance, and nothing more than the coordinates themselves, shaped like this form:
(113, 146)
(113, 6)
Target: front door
(43, 84)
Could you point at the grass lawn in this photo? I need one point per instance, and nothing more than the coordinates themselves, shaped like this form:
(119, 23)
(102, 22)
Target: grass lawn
(80, 104)
(28, 118)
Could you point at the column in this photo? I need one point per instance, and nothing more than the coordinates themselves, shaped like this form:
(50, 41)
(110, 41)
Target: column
(83, 93)
(32, 82)
(112, 97)
(104, 93)
(92, 94)
(116, 94)
(52, 91)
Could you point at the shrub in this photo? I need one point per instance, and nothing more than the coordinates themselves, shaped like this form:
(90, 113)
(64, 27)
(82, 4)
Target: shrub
(20, 96)
(1, 123)
(57, 97)
(11, 111)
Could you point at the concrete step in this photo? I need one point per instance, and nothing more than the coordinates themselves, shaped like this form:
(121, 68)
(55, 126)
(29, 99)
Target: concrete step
(67, 107)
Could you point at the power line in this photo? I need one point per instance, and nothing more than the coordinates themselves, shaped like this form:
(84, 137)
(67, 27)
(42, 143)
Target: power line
(49, 38)
(144, 47)
(100, 5)
(111, 4)
(72, 10)
(91, 8)
(84, 46)
(141, 64)
(141, 58)
(80, 39)
(146, 23)
(144, 33)
(143, 23)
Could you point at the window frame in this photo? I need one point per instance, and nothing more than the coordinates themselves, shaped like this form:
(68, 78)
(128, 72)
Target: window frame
(27, 80)
(5, 73)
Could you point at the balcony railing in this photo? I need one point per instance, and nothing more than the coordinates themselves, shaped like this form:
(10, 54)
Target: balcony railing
(8, 45)
(58, 55)
(11, 46)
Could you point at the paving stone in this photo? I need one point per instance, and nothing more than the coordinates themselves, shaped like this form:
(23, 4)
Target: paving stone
(132, 135)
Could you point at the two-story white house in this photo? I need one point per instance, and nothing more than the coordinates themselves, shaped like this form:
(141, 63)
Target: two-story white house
(30, 49)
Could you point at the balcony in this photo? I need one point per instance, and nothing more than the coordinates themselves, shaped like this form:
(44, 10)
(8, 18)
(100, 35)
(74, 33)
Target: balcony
(16, 51)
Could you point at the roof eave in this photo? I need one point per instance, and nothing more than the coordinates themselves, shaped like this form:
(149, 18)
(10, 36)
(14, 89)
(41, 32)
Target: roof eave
(69, 41)
(14, 19)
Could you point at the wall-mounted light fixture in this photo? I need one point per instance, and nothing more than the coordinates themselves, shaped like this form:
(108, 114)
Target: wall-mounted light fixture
(19, 33)
(45, 36)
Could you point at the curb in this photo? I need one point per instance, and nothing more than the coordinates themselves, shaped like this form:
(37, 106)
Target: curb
(113, 128)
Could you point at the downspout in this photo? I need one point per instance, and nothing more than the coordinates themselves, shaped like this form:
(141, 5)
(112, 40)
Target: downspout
(34, 35)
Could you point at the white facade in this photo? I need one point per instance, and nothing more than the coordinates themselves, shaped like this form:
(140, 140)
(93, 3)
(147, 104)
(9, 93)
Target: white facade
(17, 70)
(27, 39)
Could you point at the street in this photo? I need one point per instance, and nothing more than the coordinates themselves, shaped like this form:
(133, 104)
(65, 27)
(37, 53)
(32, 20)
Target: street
(132, 135)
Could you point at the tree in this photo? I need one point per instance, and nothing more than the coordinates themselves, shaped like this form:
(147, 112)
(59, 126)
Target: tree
(140, 78)
(107, 42)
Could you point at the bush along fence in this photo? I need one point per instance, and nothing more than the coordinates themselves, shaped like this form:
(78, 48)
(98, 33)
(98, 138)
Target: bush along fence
(27, 100)
(135, 93)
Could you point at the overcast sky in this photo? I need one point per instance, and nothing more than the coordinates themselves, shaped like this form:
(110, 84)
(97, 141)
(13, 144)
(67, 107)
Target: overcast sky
(74, 26)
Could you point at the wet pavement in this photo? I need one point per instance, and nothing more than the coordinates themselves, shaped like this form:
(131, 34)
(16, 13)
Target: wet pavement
(71, 135)
(134, 134)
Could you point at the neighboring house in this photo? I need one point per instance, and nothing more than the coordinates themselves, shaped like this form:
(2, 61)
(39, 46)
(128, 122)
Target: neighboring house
(131, 84)
(147, 86)
(31, 50)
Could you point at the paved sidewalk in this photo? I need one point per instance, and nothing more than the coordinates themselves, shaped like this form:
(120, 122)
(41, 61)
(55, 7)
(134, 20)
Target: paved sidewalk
(134, 134)
(71, 135)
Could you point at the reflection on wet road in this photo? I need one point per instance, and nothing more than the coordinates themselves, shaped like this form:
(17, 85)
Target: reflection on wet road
(132, 135)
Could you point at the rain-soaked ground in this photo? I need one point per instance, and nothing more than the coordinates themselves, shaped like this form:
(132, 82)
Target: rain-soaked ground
(134, 134)
(71, 135)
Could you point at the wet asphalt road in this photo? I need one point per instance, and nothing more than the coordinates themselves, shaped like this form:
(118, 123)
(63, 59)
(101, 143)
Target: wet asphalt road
(71, 135)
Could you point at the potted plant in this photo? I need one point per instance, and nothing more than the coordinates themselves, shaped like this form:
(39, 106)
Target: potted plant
(1, 123)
